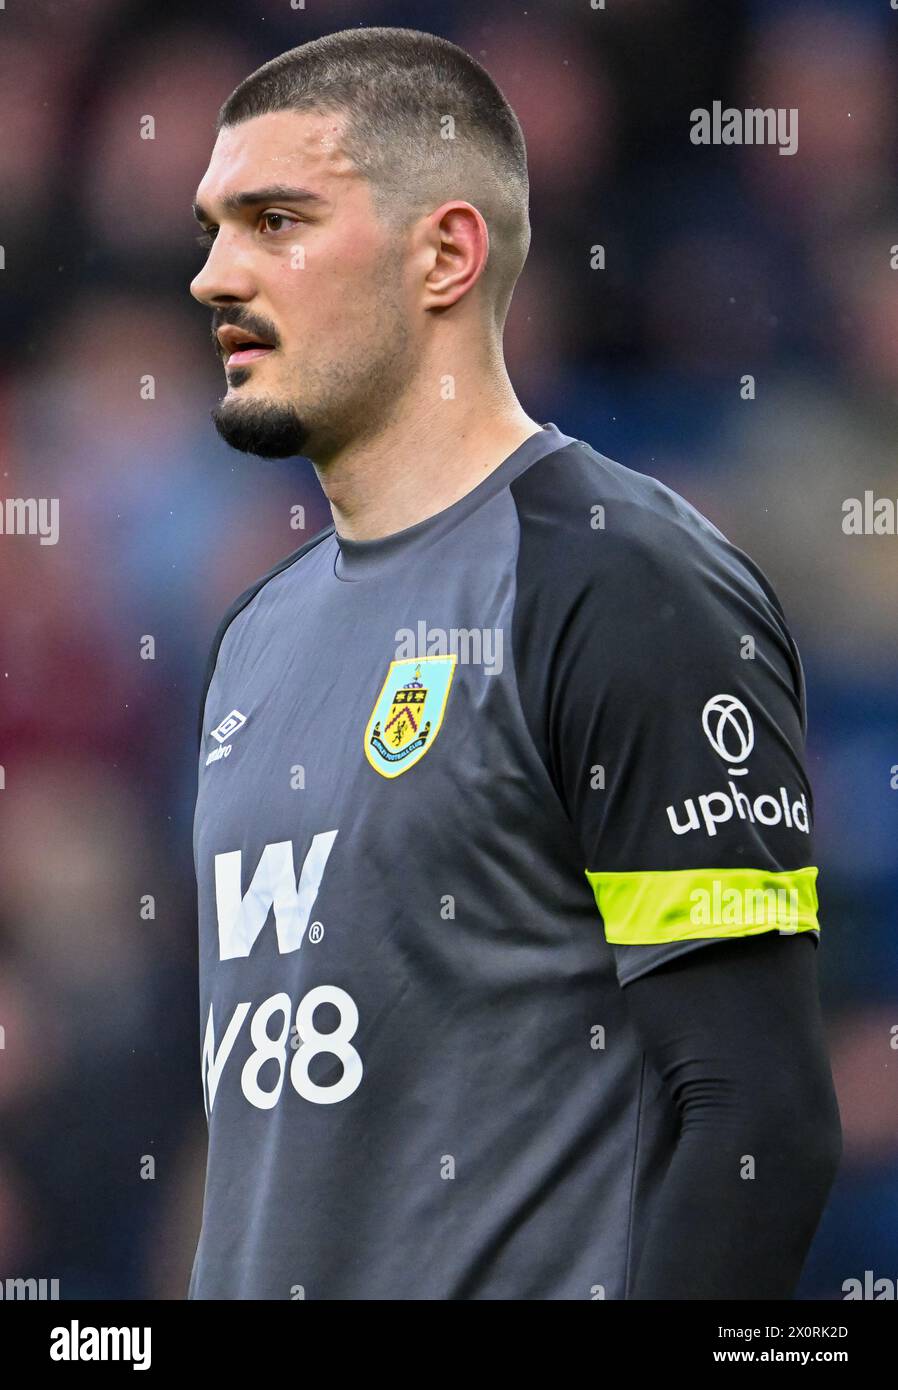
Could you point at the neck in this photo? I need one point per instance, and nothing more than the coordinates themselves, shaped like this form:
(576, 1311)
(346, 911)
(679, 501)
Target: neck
(425, 456)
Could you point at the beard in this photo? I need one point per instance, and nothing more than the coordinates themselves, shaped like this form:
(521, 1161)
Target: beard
(264, 428)
(343, 398)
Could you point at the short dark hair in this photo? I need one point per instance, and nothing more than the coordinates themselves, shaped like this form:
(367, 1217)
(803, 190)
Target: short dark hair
(425, 123)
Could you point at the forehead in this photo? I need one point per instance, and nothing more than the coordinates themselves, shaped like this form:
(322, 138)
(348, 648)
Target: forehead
(303, 147)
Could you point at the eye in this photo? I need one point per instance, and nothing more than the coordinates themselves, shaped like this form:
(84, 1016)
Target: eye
(278, 217)
(205, 239)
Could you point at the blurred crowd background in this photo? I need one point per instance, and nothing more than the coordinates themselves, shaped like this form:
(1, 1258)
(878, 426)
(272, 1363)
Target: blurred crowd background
(719, 261)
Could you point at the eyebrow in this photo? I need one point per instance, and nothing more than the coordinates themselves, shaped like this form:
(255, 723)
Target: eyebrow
(277, 193)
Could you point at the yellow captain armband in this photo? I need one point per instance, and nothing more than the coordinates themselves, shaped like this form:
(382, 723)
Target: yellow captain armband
(648, 908)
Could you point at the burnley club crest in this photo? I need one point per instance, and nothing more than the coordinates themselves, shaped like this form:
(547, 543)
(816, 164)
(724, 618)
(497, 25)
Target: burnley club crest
(408, 714)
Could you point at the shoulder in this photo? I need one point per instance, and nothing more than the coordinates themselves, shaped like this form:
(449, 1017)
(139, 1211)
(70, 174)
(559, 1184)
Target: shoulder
(603, 517)
(623, 588)
(627, 548)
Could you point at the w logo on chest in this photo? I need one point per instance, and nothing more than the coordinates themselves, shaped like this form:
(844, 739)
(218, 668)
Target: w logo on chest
(241, 916)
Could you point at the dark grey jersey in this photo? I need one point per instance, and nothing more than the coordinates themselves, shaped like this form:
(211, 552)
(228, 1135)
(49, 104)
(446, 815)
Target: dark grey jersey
(457, 787)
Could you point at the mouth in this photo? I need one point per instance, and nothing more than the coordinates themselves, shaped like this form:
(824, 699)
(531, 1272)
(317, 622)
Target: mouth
(237, 346)
(249, 353)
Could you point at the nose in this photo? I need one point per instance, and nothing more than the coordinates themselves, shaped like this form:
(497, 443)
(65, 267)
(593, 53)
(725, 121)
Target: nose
(225, 277)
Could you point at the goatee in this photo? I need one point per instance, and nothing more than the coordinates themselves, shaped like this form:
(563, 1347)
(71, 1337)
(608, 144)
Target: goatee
(263, 428)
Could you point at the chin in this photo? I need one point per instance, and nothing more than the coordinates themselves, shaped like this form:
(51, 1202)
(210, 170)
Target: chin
(261, 427)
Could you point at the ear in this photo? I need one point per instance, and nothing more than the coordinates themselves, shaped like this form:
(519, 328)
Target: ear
(458, 245)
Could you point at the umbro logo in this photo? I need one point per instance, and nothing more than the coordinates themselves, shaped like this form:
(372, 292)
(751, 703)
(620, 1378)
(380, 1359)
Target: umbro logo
(231, 724)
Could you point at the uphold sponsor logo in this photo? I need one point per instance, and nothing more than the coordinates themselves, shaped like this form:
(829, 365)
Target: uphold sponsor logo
(714, 808)
(730, 731)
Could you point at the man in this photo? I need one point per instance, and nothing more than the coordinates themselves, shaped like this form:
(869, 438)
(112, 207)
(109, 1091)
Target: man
(508, 929)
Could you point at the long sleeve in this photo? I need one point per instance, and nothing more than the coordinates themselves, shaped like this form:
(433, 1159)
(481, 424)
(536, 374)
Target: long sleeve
(735, 1034)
